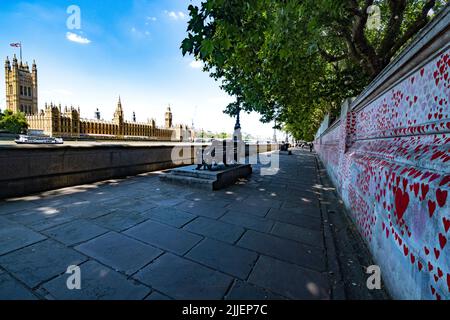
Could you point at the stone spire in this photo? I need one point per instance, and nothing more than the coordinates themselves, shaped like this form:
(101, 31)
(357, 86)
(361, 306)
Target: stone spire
(119, 106)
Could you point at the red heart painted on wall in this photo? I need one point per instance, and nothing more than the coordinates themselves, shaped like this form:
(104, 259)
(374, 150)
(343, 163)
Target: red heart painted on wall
(405, 250)
(405, 183)
(427, 251)
(434, 177)
(425, 189)
(446, 223)
(446, 179)
(441, 197)
(416, 189)
(419, 265)
(430, 266)
(437, 253)
(442, 240)
(431, 207)
(401, 203)
(448, 282)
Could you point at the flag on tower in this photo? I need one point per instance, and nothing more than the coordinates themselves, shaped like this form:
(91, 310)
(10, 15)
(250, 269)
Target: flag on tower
(16, 45)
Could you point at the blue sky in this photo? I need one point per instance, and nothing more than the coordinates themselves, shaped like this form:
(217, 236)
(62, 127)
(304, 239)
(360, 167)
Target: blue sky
(128, 48)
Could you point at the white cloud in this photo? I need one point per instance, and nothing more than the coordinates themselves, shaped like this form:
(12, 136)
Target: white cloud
(196, 64)
(175, 15)
(151, 18)
(77, 38)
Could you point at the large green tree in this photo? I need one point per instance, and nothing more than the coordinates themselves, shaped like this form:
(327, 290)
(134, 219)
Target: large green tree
(13, 122)
(295, 60)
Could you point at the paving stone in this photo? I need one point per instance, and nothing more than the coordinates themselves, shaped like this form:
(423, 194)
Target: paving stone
(183, 279)
(169, 202)
(203, 208)
(215, 229)
(41, 218)
(8, 207)
(296, 218)
(170, 216)
(289, 280)
(155, 295)
(119, 252)
(14, 236)
(222, 197)
(248, 221)
(136, 206)
(246, 291)
(293, 232)
(301, 202)
(97, 283)
(262, 200)
(249, 209)
(224, 257)
(40, 262)
(120, 220)
(164, 237)
(287, 250)
(11, 289)
(88, 209)
(75, 232)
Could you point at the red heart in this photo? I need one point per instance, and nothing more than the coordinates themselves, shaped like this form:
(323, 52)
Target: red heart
(413, 258)
(440, 273)
(431, 207)
(416, 189)
(401, 202)
(442, 240)
(441, 197)
(405, 250)
(427, 251)
(437, 253)
(446, 223)
(446, 178)
(433, 290)
(419, 265)
(425, 189)
(448, 281)
(430, 266)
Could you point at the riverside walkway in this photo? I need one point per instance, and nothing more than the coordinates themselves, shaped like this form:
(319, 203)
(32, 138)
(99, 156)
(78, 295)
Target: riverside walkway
(281, 236)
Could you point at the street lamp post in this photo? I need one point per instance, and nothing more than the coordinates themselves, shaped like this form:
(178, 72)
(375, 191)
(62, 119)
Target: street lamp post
(275, 132)
(237, 135)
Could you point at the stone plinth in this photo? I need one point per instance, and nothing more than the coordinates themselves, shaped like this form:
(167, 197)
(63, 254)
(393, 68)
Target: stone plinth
(209, 180)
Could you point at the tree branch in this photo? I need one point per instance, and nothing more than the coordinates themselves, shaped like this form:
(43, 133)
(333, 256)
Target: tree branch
(361, 43)
(329, 57)
(418, 24)
(397, 9)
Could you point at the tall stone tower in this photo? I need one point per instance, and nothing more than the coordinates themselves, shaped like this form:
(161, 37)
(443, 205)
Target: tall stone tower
(21, 87)
(118, 118)
(168, 118)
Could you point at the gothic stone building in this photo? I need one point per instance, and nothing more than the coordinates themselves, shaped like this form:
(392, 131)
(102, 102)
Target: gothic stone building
(22, 96)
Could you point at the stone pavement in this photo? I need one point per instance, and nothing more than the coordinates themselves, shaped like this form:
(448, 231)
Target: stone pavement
(138, 238)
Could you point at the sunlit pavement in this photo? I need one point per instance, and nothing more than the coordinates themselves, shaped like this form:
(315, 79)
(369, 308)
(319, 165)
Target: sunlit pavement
(269, 237)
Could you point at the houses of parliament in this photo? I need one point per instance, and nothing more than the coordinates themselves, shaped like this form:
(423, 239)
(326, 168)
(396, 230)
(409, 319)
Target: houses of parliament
(56, 121)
